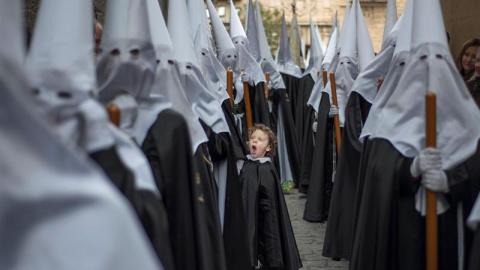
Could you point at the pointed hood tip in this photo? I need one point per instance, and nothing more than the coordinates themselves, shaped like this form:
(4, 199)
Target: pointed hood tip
(428, 29)
(222, 38)
(236, 28)
(180, 33)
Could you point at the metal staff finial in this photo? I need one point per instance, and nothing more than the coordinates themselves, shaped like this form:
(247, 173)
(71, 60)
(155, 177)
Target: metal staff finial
(293, 6)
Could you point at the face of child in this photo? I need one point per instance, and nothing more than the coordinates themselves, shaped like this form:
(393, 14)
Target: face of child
(259, 144)
(468, 59)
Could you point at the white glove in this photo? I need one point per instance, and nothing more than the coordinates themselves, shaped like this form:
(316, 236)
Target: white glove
(246, 78)
(128, 112)
(435, 180)
(95, 135)
(269, 85)
(333, 111)
(428, 159)
(314, 127)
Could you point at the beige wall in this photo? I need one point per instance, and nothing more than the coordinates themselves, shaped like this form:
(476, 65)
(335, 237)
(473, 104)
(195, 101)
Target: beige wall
(462, 21)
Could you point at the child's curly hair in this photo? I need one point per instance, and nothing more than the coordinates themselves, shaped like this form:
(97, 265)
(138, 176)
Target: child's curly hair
(272, 139)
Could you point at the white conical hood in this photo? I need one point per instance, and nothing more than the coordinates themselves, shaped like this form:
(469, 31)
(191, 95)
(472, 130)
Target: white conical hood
(316, 54)
(180, 33)
(344, 23)
(284, 57)
(431, 28)
(390, 18)
(349, 34)
(366, 82)
(12, 29)
(223, 41)
(296, 43)
(364, 42)
(127, 60)
(474, 218)
(167, 80)
(252, 28)
(196, 11)
(323, 46)
(61, 52)
(158, 29)
(266, 59)
(335, 20)
(236, 28)
(204, 104)
(331, 48)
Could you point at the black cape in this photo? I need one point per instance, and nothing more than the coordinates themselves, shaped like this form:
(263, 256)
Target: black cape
(148, 207)
(228, 147)
(320, 175)
(280, 99)
(338, 237)
(388, 232)
(270, 230)
(186, 188)
(292, 84)
(474, 263)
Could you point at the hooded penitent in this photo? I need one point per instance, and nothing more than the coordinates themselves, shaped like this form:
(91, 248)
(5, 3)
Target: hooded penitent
(60, 67)
(167, 80)
(214, 73)
(296, 42)
(284, 59)
(239, 38)
(366, 82)
(390, 19)
(204, 103)
(316, 53)
(330, 54)
(431, 68)
(266, 59)
(57, 211)
(356, 53)
(125, 63)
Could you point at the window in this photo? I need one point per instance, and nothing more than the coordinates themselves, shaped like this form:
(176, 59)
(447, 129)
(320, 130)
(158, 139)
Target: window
(221, 11)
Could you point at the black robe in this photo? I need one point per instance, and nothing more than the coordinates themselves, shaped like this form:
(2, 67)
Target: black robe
(270, 230)
(148, 207)
(338, 237)
(280, 99)
(291, 83)
(474, 263)
(186, 188)
(388, 232)
(228, 147)
(320, 175)
(303, 112)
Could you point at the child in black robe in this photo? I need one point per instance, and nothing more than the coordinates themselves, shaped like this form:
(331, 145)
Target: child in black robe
(270, 233)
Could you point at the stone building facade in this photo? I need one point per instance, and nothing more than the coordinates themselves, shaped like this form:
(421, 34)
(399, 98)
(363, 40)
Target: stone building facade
(323, 12)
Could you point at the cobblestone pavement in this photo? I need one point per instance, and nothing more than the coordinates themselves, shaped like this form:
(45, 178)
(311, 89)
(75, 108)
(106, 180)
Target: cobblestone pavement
(309, 236)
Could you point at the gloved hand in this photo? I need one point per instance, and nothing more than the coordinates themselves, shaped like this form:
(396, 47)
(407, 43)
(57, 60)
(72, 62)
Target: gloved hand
(435, 180)
(314, 127)
(95, 136)
(128, 112)
(333, 111)
(428, 159)
(246, 78)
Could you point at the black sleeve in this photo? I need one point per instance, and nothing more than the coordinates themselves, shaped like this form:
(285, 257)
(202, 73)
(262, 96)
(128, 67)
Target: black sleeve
(217, 143)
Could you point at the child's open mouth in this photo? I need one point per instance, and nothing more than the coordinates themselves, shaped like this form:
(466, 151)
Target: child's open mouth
(254, 149)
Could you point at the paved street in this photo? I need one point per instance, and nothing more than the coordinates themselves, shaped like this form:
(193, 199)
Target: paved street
(309, 236)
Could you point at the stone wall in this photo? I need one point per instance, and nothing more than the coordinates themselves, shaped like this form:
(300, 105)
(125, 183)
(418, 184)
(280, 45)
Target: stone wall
(462, 21)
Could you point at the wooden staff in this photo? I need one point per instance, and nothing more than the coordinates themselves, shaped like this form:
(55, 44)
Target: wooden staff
(267, 77)
(248, 107)
(230, 85)
(431, 219)
(336, 119)
(114, 114)
(325, 78)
